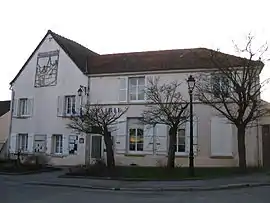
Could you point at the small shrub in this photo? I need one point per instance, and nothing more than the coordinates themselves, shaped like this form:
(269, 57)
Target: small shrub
(36, 159)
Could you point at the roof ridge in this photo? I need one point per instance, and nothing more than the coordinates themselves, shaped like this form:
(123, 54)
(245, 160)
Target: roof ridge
(54, 33)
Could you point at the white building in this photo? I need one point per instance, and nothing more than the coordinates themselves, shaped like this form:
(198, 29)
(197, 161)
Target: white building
(45, 95)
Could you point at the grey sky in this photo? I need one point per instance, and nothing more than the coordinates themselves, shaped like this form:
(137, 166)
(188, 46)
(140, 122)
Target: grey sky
(109, 26)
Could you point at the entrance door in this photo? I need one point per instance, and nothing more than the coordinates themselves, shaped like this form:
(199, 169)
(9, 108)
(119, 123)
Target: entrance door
(266, 145)
(40, 144)
(96, 147)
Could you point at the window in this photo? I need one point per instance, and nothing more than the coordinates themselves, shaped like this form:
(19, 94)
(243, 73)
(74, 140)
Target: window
(57, 143)
(22, 142)
(23, 107)
(181, 141)
(220, 86)
(136, 138)
(180, 145)
(73, 144)
(70, 105)
(136, 88)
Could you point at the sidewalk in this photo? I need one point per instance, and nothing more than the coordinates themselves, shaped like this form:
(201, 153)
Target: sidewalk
(51, 179)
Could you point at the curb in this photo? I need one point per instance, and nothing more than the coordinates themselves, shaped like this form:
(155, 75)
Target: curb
(44, 170)
(129, 179)
(168, 189)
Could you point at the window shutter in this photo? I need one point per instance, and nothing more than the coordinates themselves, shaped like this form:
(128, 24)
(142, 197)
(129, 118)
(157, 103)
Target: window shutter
(148, 141)
(195, 137)
(30, 106)
(65, 144)
(60, 105)
(15, 108)
(30, 143)
(123, 89)
(161, 138)
(49, 143)
(146, 86)
(77, 105)
(221, 137)
(13, 142)
(121, 137)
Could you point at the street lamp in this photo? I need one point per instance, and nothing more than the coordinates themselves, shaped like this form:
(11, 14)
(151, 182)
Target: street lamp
(191, 85)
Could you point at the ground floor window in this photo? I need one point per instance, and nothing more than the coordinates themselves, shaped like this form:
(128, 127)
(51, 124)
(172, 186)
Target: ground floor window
(136, 135)
(57, 144)
(22, 142)
(73, 144)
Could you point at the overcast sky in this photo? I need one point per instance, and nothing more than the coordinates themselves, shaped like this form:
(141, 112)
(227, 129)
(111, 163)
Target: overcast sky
(109, 26)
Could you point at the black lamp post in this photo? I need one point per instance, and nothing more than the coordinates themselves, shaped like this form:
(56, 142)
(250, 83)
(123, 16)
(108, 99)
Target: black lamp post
(191, 85)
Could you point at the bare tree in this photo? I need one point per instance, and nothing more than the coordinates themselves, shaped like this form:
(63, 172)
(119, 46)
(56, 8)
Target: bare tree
(98, 119)
(166, 106)
(233, 89)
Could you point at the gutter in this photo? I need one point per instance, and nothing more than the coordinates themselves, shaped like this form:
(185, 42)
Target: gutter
(11, 116)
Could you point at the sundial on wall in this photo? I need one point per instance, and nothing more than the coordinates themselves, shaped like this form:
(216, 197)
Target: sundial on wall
(46, 69)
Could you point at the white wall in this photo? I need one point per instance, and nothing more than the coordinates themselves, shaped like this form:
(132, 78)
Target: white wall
(4, 127)
(44, 119)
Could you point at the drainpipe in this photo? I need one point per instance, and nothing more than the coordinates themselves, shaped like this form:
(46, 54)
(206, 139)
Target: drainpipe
(87, 137)
(258, 143)
(10, 124)
(154, 139)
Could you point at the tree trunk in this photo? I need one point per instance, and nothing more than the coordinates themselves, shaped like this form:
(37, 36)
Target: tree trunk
(171, 151)
(241, 147)
(109, 150)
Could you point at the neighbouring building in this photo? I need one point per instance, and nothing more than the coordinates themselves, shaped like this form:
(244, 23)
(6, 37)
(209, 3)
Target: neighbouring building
(4, 126)
(45, 95)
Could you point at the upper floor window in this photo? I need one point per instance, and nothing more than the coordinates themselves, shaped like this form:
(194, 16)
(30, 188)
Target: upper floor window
(136, 88)
(220, 86)
(70, 105)
(23, 107)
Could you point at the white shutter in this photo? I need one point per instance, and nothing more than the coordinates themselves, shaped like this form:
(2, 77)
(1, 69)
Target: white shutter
(195, 136)
(15, 108)
(148, 141)
(65, 144)
(161, 138)
(60, 105)
(121, 137)
(77, 104)
(221, 137)
(49, 143)
(30, 106)
(123, 89)
(13, 142)
(147, 86)
(30, 143)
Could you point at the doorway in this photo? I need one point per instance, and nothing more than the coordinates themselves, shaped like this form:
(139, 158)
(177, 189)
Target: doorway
(266, 145)
(96, 147)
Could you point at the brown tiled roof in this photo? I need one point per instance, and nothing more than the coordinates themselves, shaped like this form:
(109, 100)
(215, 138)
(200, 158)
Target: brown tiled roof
(74, 50)
(188, 59)
(4, 107)
(196, 58)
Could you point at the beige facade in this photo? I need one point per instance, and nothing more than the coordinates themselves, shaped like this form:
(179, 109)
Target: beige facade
(216, 141)
(40, 116)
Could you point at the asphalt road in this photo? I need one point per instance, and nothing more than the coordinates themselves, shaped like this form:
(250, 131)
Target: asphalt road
(12, 192)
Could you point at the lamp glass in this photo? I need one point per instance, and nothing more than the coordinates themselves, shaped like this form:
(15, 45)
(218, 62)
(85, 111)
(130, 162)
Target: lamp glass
(79, 92)
(191, 83)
